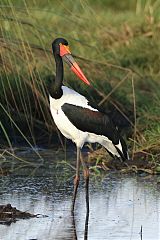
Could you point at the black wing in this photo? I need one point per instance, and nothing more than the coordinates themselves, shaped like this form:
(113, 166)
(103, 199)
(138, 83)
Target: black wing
(91, 121)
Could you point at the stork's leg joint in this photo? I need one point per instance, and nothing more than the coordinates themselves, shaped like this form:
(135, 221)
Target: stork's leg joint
(76, 180)
(76, 183)
(86, 173)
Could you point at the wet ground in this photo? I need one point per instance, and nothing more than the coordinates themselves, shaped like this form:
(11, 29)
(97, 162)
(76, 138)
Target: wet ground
(121, 206)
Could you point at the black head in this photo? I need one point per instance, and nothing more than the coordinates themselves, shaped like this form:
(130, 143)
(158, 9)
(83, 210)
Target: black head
(56, 43)
(62, 53)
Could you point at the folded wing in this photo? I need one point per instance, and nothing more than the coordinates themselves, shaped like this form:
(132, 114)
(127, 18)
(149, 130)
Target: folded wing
(88, 120)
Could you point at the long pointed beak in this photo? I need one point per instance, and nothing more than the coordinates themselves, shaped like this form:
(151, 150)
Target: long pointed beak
(75, 68)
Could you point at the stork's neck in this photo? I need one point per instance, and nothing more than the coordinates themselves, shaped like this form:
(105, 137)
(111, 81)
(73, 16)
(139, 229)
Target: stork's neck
(59, 72)
(56, 89)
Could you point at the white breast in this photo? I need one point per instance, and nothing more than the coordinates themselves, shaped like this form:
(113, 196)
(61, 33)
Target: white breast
(60, 119)
(69, 96)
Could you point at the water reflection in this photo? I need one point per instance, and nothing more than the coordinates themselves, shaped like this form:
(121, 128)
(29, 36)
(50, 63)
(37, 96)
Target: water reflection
(72, 231)
(85, 228)
(119, 206)
(74, 226)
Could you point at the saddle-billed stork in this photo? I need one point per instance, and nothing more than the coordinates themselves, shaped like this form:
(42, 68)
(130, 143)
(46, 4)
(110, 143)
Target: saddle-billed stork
(77, 119)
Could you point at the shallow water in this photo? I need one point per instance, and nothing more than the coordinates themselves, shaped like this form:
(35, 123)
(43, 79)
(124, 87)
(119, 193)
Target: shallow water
(119, 206)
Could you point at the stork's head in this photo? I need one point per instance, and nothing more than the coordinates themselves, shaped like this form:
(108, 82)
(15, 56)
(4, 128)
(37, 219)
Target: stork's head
(60, 47)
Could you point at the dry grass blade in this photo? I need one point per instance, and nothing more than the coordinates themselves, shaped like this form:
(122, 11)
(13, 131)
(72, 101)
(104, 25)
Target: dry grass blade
(110, 50)
(135, 121)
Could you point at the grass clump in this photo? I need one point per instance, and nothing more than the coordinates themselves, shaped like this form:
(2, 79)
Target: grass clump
(117, 45)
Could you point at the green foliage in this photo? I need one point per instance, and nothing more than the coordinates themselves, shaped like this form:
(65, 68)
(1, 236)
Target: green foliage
(117, 44)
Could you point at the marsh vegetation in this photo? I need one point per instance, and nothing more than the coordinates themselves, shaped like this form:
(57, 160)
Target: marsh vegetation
(117, 44)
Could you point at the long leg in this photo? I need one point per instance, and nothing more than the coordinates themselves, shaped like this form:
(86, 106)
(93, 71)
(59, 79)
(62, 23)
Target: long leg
(86, 178)
(76, 179)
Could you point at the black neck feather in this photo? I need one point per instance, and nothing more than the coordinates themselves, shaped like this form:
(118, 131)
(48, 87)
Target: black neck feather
(59, 72)
(55, 88)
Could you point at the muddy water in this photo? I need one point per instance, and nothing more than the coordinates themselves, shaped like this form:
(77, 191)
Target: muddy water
(119, 206)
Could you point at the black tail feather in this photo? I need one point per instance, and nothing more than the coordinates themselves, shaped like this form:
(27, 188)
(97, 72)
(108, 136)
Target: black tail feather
(124, 153)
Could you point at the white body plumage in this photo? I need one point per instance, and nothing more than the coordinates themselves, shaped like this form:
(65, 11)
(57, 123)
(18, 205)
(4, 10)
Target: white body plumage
(69, 130)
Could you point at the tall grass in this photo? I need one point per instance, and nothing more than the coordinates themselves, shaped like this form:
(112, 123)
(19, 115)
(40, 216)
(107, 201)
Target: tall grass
(117, 45)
